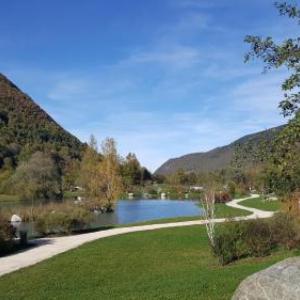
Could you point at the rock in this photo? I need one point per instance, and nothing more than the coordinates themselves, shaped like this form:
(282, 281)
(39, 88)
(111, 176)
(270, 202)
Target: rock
(15, 221)
(279, 282)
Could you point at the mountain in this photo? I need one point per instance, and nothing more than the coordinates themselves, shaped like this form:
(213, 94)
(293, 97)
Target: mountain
(26, 128)
(218, 158)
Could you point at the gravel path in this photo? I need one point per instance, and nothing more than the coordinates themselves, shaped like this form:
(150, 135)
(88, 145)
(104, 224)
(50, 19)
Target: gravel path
(49, 247)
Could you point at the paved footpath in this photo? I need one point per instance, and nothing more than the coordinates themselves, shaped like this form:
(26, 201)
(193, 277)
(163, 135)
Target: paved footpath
(49, 247)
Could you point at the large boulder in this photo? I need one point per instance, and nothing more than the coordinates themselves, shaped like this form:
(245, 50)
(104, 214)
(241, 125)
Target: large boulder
(279, 282)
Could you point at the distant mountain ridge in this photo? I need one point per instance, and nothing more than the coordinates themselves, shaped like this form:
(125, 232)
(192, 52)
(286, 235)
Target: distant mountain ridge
(218, 158)
(26, 127)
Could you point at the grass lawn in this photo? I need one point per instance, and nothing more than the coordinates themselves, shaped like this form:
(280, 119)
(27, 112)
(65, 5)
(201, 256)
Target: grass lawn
(224, 211)
(163, 264)
(9, 198)
(259, 203)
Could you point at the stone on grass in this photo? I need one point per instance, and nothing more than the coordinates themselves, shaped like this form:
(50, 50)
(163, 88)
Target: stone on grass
(278, 282)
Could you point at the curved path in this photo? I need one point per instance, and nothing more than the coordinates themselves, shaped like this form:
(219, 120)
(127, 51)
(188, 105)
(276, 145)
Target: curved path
(48, 247)
(256, 213)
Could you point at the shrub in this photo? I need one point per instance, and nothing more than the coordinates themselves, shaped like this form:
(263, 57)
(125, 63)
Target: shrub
(60, 218)
(255, 238)
(229, 243)
(6, 235)
(292, 203)
(231, 189)
(285, 230)
(258, 238)
(241, 191)
(222, 197)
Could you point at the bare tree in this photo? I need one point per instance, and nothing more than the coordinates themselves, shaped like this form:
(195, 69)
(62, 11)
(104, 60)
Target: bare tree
(208, 204)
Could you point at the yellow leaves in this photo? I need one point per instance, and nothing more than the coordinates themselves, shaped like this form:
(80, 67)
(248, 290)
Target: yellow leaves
(100, 173)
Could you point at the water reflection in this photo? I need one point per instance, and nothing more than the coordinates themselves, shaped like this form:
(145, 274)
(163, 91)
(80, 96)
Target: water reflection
(132, 211)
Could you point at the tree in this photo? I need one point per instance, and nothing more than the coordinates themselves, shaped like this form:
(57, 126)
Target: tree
(146, 175)
(283, 172)
(131, 171)
(71, 173)
(110, 178)
(100, 174)
(90, 170)
(283, 168)
(208, 205)
(179, 178)
(278, 55)
(38, 178)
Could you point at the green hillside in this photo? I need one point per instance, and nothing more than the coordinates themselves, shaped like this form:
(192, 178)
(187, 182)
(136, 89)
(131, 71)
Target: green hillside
(25, 129)
(221, 157)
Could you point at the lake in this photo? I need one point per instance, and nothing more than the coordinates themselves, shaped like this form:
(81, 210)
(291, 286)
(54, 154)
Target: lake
(133, 211)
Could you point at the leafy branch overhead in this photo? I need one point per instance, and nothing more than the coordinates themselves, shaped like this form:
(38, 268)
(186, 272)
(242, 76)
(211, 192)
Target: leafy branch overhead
(285, 54)
(283, 175)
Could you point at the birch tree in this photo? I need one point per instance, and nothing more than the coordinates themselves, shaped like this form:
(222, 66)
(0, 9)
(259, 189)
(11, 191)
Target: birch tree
(208, 204)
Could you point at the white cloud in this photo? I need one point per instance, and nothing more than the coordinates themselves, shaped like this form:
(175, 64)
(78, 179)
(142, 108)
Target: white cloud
(201, 4)
(173, 57)
(260, 94)
(67, 88)
(177, 96)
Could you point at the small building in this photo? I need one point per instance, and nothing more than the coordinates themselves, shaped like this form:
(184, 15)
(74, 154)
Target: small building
(197, 188)
(130, 196)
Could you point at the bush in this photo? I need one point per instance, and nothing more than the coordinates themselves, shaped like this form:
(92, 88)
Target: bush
(255, 238)
(258, 238)
(222, 197)
(6, 235)
(229, 243)
(61, 219)
(285, 230)
(231, 189)
(241, 191)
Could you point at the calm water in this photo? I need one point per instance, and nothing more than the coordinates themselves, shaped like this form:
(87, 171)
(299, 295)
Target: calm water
(132, 211)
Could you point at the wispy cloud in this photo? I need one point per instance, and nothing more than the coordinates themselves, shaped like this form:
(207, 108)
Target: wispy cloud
(187, 90)
(201, 4)
(173, 57)
(260, 94)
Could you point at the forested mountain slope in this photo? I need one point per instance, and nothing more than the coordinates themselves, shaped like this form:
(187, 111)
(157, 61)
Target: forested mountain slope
(218, 158)
(26, 128)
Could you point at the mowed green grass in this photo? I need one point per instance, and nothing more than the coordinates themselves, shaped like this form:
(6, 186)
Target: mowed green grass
(224, 211)
(163, 264)
(262, 204)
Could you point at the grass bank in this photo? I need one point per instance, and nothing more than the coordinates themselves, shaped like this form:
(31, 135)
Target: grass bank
(164, 264)
(224, 211)
(262, 204)
(9, 198)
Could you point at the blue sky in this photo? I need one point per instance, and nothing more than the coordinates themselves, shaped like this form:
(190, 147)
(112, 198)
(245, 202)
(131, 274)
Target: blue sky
(163, 77)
